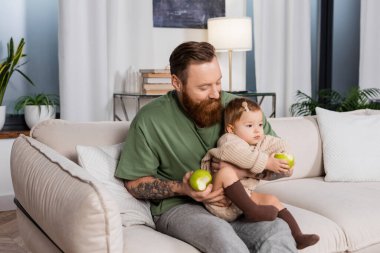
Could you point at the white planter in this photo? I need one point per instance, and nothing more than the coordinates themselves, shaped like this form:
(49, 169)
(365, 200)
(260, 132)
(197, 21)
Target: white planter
(37, 113)
(2, 115)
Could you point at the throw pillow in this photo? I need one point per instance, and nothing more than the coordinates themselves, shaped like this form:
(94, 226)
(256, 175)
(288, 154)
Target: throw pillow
(101, 163)
(351, 145)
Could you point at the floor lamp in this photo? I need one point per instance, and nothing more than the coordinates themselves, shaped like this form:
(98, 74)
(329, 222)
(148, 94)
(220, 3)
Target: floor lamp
(228, 35)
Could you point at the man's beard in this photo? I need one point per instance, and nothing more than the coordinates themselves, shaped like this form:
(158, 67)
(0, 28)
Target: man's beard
(206, 113)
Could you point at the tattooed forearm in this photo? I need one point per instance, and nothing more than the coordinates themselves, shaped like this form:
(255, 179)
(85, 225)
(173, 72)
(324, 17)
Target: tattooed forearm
(153, 188)
(269, 175)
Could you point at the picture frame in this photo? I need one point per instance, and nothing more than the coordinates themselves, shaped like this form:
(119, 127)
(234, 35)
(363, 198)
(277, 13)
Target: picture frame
(186, 13)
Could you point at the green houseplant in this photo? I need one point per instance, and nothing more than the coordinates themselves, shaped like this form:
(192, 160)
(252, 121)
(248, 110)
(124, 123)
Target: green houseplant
(37, 107)
(334, 101)
(8, 66)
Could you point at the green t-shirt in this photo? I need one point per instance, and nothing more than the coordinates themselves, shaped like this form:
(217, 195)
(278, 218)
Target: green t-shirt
(163, 142)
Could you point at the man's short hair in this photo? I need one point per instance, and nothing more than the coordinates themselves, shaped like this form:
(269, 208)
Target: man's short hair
(189, 53)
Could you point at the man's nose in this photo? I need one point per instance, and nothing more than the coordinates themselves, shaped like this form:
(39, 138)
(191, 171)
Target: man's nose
(214, 92)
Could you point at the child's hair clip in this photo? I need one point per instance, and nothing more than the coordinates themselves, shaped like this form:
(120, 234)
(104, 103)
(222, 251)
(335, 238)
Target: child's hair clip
(245, 106)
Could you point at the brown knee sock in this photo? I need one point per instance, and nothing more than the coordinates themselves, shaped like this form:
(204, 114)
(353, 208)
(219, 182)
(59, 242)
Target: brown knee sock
(302, 240)
(253, 212)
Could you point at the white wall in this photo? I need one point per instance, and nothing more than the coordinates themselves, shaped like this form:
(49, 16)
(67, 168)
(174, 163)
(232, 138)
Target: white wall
(6, 188)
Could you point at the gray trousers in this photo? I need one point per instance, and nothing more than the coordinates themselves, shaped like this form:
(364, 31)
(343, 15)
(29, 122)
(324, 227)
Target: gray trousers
(193, 224)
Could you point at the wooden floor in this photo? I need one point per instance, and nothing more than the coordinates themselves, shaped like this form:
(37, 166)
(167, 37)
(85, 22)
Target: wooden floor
(10, 240)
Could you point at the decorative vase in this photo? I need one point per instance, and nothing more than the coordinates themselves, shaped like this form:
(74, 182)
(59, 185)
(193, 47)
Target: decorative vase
(3, 113)
(34, 114)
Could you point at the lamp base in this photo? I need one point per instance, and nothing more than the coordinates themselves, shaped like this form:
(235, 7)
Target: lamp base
(230, 69)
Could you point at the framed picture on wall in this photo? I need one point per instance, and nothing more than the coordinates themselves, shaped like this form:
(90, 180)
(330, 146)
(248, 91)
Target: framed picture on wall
(186, 13)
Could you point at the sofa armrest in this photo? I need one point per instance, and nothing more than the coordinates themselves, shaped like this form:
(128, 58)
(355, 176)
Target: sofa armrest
(73, 209)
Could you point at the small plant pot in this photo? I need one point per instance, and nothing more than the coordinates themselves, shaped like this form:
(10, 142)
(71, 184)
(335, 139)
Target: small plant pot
(34, 114)
(2, 115)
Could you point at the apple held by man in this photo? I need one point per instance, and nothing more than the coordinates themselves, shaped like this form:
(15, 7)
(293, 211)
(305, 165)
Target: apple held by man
(200, 179)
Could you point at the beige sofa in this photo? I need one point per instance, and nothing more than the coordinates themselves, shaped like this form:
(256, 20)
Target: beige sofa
(61, 207)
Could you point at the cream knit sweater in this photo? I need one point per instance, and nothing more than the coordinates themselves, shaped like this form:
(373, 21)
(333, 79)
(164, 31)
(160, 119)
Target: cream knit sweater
(231, 148)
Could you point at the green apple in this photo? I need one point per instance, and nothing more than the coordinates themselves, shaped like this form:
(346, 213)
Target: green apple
(287, 157)
(200, 179)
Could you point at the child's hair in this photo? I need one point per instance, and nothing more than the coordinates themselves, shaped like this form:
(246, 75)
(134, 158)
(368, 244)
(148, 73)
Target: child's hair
(235, 109)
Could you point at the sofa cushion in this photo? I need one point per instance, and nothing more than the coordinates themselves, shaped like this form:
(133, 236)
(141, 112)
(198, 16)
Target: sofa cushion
(352, 206)
(101, 162)
(351, 144)
(332, 238)
(63, 136)
(303, 137)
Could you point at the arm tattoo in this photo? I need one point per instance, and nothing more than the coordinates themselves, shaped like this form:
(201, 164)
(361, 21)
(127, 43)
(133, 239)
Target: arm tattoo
(269, 175)
(155, 189)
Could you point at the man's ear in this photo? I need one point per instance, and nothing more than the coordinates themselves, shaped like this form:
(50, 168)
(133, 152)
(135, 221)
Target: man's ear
(230, 128)
(176, 83)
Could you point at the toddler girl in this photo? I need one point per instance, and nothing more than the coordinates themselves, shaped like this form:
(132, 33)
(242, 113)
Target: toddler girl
(245, 145)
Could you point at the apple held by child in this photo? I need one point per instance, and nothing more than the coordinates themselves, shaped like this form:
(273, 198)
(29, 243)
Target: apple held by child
(287, 157)
(200, 179)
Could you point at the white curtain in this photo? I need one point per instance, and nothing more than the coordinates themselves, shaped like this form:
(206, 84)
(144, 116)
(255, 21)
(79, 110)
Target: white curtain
(91, 45)
(369, 71)
(282, 50)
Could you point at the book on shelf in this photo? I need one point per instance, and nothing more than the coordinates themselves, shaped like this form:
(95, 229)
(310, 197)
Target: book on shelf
(156, 92)
(157, 86)
(157, 80)
(144, 71)
(155, 75)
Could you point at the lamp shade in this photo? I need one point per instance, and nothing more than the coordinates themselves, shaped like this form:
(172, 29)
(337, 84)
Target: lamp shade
(230, 33)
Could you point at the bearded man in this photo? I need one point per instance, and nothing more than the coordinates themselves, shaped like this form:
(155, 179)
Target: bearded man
(167, 140)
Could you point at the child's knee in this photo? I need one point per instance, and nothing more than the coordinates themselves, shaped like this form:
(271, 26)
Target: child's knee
(226, 172)
(273, 200)
(225, 177)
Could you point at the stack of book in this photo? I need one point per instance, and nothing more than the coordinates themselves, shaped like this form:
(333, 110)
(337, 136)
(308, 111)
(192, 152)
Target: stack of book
(156, 81)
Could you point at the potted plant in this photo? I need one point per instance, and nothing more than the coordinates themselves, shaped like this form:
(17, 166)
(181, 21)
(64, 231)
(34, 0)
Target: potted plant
(332, 100)
(8, 66)
(37, 108)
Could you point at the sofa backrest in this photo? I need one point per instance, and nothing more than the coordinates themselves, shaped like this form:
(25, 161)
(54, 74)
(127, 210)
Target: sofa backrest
(302, 135)
(63, 136)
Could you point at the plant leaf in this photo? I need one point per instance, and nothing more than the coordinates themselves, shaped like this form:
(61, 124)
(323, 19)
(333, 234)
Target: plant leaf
(25, 76)
(332, 100)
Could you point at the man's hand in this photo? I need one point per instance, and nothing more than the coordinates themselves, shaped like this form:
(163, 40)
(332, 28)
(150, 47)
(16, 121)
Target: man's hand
(215, 165)
(277, 165)
(207, 196)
